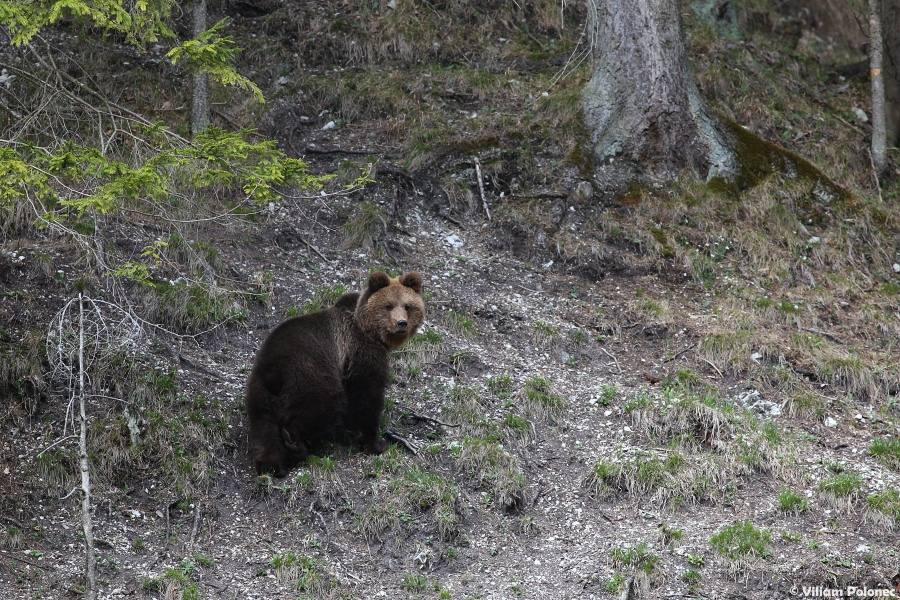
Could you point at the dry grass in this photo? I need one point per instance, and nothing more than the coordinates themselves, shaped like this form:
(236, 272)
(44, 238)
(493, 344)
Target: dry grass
(403, 493)
(495, 469)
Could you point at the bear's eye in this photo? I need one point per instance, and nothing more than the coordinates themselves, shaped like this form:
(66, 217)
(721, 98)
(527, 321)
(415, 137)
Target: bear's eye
(409, 307)
(389, 306)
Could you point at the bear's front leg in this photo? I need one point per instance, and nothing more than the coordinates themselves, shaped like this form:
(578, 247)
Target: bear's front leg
(365, 405)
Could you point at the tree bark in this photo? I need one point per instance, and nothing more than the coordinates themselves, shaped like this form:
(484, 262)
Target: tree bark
(890, 27)
(642, 105)
(200, 106)
(876, 46)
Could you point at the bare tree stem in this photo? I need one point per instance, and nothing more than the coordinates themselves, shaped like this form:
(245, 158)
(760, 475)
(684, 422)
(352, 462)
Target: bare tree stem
(879, 127)
(87, 523)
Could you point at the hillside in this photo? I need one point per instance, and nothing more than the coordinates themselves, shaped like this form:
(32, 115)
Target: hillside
(685, 392)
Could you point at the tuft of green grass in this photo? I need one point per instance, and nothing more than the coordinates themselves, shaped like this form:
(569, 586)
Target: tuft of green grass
(603, 478)
(842, 490)
(638, 557)
(363, 229)
(303, 571)
(883, 508)
(741, 541)
(323, 298)
(608, 394)
(521, 426)
(695, 560)
(501, 386)
(414, 582)
(495, 469)
(640, 401)
(462, 324)
(614, 583)
(403, 492)
(540, 399)
(669, 535)
(790, 501)
(544, 330)
(691, 577)
(887, 451)
(191, 307)
(805, 404)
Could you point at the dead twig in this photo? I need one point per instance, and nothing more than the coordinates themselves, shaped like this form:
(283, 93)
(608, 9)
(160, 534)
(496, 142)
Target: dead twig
(426, 418)
(56, 443)
(715, 368)
(23, 560)
(615, 360)
(830, 336)
(312, 509)
(394, 436)
(484, 203)
(675, 357)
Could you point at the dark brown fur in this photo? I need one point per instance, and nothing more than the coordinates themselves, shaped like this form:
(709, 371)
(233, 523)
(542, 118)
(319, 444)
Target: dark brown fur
(323, 373)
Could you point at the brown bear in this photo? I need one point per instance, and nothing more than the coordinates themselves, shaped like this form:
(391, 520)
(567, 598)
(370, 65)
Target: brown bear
(323, 374)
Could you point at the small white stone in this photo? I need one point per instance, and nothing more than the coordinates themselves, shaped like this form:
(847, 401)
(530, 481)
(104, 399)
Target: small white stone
(329, 125)
(830, 422)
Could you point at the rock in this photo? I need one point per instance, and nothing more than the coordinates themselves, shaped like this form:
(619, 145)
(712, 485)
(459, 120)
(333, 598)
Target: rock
(860, 114)
(753, 400)
(583, 192)
(830, 422)
(896, 267)
(454, 241)
(329, 125)
(814, 240)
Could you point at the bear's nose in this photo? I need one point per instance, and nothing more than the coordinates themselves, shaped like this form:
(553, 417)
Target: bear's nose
(401, 324)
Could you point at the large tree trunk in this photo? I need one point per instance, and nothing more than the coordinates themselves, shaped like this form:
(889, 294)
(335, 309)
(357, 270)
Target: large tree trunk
(642, 105)
(200, 106)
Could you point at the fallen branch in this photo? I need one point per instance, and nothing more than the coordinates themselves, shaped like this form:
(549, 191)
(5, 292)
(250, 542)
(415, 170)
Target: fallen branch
(421, 417)
(616, 360)
(312, 509)
(394, 436)
(714, 367)
(830, 336)
(688, 349)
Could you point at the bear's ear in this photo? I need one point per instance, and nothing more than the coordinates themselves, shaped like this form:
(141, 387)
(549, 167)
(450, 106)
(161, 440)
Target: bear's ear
(412, 280)
(377, 281)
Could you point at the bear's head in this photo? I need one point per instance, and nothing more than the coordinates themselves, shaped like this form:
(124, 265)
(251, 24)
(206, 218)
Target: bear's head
(391, 308)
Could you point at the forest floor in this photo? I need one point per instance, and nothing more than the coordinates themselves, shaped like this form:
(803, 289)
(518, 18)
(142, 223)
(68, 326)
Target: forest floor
(685, 393)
